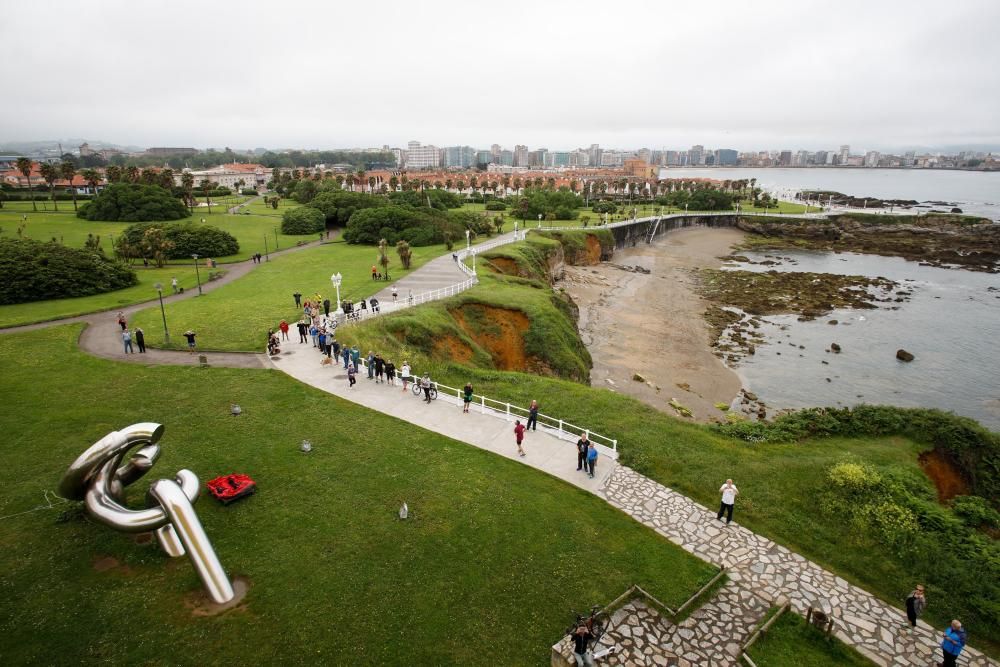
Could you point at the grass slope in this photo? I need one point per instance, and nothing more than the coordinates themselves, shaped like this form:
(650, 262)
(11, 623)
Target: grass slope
(492, 560)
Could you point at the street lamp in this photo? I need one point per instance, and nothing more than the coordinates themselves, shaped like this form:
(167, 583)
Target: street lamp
(468, 240)
(196, 272)
(515, 230)
(336, 279)
(159, 290)
(275, 238)
(539, 220)
(267, 257)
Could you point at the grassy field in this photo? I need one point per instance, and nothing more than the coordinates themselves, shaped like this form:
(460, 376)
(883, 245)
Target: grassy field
(792, 643)
(42, 311)
(490, 563)
(249, 230)
(237, 316)
(260, 208)
(779, 483)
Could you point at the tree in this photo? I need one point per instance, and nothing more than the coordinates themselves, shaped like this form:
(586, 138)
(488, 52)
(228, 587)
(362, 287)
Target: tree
(132, 173)
(303, 220)
(383, 257)
(187, 183)
(448, 183)
(498, 222)
(156, 245)
(371, 184)
(165, 179)
(393, 183)
(113, 174)
(127, 202)
(24, 166)
(205, 186)
(50, 173)
(360, 178)
(404, 252)
(68, 171)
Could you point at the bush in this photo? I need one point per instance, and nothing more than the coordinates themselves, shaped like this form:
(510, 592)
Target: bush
(303, 220)
(132, 202)
(976, 512)
(214, 192)
(338, 205)
(418, 227)
(187, 238)
(36, 271)
(250, 192)
(604, 207)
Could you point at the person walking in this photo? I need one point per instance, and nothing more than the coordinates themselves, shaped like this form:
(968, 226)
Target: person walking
(582, 447)
(371, 364)
(302, 330)
(425, 384)
(140, 340)
(356, 357)
(127, 340)
(298, 299)
(190, 334)
(121, 320)
(395, 293)
(519, 436)
(581, 640)
(729, 493)
(173, 284)
(374, 272)
(405, 374)
(379, 369)
(346, 354)
(284, 329)
(952, 644)
(532, 416)
(351, 376)
(336, 349)
(390, 373)
(466, 396)
(591, 459)
(326, 307)
(916, 602)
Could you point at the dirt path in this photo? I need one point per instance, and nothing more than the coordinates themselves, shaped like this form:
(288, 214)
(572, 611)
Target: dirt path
(666, 339)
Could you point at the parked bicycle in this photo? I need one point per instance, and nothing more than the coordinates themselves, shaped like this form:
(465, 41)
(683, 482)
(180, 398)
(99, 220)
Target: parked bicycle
(596, 622)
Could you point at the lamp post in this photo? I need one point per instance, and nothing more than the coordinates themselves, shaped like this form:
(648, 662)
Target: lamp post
(196, 272)
(159, 290)
(275, 238)
(468, 240)
(267, 257)
(336, 279)
(515, 230)
(539, 220)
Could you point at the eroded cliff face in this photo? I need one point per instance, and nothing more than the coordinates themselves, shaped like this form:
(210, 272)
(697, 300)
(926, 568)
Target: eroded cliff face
(934, 240)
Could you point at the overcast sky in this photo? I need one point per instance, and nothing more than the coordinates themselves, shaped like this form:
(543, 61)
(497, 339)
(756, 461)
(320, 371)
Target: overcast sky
(744, 75)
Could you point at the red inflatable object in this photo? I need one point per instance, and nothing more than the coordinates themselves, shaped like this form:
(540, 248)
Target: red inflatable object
(230, 488)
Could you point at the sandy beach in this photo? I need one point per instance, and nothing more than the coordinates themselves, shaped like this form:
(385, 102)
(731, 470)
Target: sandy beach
(652, 324)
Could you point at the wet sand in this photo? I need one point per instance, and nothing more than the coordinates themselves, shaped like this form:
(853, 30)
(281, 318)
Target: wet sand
(652, 324)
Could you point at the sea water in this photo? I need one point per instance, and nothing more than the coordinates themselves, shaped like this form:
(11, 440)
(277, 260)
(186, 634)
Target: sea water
(951, 324)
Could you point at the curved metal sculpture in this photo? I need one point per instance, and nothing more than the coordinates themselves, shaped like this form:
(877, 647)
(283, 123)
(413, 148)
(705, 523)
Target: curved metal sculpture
(99, 479)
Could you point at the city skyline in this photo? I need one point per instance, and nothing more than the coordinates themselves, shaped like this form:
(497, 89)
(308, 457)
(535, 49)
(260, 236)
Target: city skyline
(800, 76)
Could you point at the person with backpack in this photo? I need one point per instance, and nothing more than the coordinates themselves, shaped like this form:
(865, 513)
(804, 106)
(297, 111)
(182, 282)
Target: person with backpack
(466, 396)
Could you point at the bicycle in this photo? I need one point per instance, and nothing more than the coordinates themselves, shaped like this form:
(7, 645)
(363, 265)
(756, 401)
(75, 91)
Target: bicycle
(596, 622)
(419, 390)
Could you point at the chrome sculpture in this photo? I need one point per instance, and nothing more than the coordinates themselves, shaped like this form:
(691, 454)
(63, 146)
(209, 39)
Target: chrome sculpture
(98, 478)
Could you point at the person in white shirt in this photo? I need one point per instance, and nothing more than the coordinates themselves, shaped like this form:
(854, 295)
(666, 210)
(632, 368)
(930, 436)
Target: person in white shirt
(729, 493)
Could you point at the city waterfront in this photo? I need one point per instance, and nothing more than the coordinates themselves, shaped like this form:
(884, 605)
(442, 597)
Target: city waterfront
(975, 192)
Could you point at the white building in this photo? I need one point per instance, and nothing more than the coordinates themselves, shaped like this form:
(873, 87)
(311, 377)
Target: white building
(422, 157)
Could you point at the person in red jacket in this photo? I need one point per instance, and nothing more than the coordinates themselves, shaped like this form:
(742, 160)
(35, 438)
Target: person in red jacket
(519, 436)
(284, 329)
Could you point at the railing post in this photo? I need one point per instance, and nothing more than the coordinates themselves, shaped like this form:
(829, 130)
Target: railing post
(560, 429)
(482, 403)
(614, 445)
(508, 410)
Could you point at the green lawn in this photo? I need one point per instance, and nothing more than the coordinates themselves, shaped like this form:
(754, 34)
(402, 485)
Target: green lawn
(238, 315)
(41, 311)
(249, 230)
(790, 642)
(490, 563)
(260, 208)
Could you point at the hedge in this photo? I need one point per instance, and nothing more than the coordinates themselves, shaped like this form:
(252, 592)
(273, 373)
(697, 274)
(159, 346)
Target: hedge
(188, 239)
(37, 271)
(418, 227)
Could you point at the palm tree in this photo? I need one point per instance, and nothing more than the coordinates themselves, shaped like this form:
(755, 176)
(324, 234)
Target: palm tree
(113, 174)
(506, 184)
(24, 166)
(50, 173)
(187, 182)
(68, 171)
(205, 186)
(573, 185)
(438, 185)
(132, 173)
(473, 183)
(551, 183)
(538, 181)
(92, 178)
(460, 184)
(517, 185)
(166, 179)
(448, 183)
(371, 184)
(393, 183)
(404, 252)
(349, 180)
(361, 178)
(340, 181)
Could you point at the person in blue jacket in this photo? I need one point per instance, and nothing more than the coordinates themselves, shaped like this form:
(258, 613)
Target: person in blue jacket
(591, 458)
(953, 643)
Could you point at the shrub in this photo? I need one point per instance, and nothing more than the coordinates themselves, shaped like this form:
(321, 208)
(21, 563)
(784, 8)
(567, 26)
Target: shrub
(36, 271)
(187, 238)
(303, 220)
(496, 206)
(604, 207)
(416, 226)
(132, 202)
(338, 206)
(249, 192)
(975, 512)
(854, 478)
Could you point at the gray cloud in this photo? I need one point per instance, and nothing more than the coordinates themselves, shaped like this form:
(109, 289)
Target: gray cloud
(558, 74)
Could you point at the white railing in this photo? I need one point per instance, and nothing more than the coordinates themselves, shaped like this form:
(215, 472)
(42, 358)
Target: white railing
(659, 218)
(559, 428)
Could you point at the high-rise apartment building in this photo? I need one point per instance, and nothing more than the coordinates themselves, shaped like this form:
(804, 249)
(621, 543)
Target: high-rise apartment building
(459, 156)
(726, 157)
(696, 156)
(520, 156)
(785, 159)
(845, 152)
(507, 158)
(422, 157)
(594, 154)
(872, 158)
